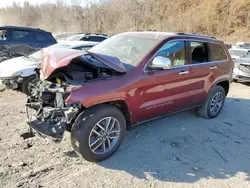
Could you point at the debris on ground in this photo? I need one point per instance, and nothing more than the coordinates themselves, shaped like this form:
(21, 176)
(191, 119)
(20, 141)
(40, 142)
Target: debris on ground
(197, 169)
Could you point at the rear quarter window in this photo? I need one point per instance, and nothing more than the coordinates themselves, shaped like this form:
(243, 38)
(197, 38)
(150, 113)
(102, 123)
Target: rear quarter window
(217, 52)
(41, 37)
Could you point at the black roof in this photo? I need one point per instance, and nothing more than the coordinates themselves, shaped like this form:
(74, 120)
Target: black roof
(23, 28)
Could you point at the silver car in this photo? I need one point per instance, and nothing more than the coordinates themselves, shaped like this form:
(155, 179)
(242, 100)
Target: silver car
(241, 72)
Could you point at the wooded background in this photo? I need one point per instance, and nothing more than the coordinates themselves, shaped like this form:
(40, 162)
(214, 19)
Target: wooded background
(220, 18)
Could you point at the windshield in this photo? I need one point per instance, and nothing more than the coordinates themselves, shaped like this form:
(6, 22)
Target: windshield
(74, 38)
(239, 53)
(128, 49)
(36, 57)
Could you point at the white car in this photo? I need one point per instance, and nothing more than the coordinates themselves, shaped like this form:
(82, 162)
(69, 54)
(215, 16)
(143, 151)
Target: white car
(19, 73)
(241, 72)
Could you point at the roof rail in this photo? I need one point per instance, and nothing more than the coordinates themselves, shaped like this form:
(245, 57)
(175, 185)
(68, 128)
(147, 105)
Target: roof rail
(195, 34)
(146, 30)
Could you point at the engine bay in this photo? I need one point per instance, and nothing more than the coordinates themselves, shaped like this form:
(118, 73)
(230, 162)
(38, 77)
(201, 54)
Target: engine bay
(80, 70)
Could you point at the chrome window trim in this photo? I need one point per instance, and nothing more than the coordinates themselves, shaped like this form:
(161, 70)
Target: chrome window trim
(189, 65)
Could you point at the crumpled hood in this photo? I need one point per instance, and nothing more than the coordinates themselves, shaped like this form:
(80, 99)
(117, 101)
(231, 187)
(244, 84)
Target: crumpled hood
(55, 58)
(8, 67)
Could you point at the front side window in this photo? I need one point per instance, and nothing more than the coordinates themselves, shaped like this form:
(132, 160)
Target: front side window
(20, 35)
(175, 51)
(3, 34)
(198, 52)
(217, 53)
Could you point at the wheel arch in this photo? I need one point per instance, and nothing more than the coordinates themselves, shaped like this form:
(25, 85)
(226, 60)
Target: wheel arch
(223, 83)
(121, 104)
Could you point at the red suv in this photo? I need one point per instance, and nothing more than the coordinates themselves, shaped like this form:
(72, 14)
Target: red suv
(127, 79)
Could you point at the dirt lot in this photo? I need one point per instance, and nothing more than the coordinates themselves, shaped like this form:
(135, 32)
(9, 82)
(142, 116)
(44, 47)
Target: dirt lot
(182, 150)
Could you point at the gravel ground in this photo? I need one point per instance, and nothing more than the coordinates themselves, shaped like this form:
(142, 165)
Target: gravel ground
(182, 150)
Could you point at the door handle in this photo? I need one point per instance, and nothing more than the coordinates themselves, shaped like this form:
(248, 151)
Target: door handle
(213, 67)
(183, 72)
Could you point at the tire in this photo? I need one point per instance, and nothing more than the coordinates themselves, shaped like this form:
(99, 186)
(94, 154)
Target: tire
(205, 109)
(25, 84)
(82, 131)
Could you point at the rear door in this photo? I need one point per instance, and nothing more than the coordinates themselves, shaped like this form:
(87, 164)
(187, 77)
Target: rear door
(204, 57)
(166, 91)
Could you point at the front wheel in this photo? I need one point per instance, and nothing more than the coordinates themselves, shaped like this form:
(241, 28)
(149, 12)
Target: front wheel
(29, 85)
(214, 103)
(98, 132)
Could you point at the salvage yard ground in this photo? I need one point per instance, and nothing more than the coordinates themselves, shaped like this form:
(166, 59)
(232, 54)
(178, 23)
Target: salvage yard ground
(182, 150)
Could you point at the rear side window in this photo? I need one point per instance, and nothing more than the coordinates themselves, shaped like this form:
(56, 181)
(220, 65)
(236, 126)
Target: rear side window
(21, 35)
(96, 39)
(198, 52)
(3, 34)
(217, 53)
(41, 37)
(83, 48)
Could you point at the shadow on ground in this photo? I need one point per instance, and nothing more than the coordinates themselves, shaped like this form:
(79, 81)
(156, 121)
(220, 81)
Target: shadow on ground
(186, 147)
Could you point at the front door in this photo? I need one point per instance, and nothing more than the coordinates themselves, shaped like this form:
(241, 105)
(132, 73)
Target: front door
(165, 91)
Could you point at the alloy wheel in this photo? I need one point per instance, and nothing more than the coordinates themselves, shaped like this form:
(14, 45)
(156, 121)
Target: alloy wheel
(104, 135)
(216, 103)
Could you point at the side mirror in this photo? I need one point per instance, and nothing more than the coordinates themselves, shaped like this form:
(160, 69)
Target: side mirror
(160, 62)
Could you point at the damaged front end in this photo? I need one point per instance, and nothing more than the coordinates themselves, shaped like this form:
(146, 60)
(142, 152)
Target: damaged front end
(61, 71)
(47, 113)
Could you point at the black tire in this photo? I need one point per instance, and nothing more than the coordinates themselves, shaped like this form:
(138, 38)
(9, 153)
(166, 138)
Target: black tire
(85, 122)
(25, 84)
(205, 109)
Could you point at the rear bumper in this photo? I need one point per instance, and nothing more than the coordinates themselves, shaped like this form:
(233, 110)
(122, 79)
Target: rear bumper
(240, 75)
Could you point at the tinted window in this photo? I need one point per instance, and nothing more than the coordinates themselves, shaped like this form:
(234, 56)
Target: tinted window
(175, 51)
(83, 48)
(217, 53)
(20, 35)
(3, 34)
(198, 52)
(96, 39)
(41, 37)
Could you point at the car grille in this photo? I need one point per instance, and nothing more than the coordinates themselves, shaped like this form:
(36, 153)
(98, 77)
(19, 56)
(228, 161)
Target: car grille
(245, 68)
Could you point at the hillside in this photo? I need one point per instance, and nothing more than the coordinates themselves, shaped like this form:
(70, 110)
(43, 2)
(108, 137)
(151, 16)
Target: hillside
(227, 19)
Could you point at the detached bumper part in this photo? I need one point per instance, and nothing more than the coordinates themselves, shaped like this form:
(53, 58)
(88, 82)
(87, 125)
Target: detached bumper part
(46, 129)
(54, 121)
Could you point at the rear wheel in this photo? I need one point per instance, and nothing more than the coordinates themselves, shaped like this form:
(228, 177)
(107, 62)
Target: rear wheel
(29, 85)
(98, 132)
(214, 103)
